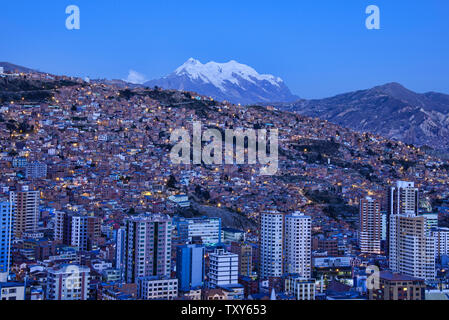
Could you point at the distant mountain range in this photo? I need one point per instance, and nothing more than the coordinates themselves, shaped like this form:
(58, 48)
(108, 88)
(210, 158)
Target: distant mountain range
(231, 81)
(389, 110)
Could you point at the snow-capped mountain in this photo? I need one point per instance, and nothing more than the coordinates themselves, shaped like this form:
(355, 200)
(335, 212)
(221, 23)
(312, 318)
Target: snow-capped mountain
(231, 81)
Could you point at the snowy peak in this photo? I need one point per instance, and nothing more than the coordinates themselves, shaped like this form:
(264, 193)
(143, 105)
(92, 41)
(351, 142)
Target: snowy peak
(190, 62)
(230, 81)
(218, 73)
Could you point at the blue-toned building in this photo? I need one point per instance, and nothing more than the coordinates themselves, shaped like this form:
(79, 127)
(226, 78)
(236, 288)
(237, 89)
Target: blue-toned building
(190, 266)
(208, 229)
(5, 235)
(20, 162)
(36, 170)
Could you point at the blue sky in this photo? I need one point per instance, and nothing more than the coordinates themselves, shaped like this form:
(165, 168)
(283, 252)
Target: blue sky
(320, 48)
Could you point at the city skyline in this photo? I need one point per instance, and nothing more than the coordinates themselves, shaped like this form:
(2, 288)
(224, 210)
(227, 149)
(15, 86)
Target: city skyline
(217, 188)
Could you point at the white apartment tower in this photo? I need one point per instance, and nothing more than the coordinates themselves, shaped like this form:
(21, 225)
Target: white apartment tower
(79, 232)
(403, 198)
(441, 236)
(412, 249)
(223, 268)
(271, 244)
(120, 245)
(59, 225)
(76, 230)
(298, 245)
(370, 226)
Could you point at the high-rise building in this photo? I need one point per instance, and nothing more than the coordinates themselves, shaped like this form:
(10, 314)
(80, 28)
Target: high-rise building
(245, 253)
(120, 244)
(85, 231)
(431, 220)
(223, 268)
(271, 244)
(412, 248)
(77, 230)
(68, 282)
(26, 210)
(208, 229)
(148, 246)
(5, 238)
(401, 199)
(441, 236)
(298, 244)
(384, 226)
(58, 223)
(190, 266)
(370, 226)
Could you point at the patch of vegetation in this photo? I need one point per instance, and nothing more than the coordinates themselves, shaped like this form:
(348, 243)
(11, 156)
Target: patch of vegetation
(23, 89)
(322, 147)
(334, 205)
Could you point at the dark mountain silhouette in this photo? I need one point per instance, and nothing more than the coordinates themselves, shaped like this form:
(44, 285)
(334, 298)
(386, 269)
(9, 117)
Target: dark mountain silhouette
(389, 110)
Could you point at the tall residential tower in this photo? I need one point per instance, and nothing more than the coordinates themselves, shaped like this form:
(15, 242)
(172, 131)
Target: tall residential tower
(298, 245)
(271, 244)
(26, 210)
(147, 246)
(370, 228)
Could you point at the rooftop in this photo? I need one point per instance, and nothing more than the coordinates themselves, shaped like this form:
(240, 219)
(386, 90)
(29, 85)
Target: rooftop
(388, 275)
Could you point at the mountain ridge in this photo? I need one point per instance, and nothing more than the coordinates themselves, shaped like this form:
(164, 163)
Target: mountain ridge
(390, 110)
(10, 67)
(230, 81)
